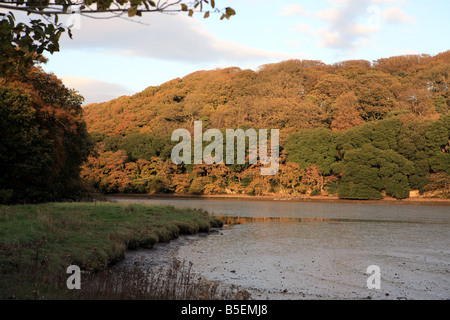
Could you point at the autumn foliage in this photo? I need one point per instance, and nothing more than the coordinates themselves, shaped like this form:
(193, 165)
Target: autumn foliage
(44, 138)
(359, 129)
(355, 129)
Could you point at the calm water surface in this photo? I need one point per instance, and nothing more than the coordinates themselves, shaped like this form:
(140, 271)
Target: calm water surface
(295, 250)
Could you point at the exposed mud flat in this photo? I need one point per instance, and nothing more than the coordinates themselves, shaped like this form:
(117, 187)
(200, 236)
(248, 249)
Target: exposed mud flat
(161, 266)
(283, 270)
(315, 264)
(296, 251)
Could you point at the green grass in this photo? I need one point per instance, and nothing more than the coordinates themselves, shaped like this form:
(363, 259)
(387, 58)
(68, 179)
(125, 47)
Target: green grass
(39, 242)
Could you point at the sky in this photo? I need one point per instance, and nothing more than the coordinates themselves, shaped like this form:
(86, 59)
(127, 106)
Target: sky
(108, 58)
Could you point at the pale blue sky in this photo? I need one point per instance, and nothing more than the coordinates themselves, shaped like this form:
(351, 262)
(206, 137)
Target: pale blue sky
(109, 58)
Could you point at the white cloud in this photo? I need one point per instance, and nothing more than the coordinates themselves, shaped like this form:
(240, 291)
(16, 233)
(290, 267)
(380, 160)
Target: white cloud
(345, 28)
(304, 28)
(360, 29)
(330, 14)
(349, 24)
(331, 39)
(397, 15)
(95, 91)
(166, 37)
(293, 10)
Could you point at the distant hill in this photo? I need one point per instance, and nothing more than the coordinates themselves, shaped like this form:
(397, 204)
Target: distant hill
(289, 95)
(356, 129)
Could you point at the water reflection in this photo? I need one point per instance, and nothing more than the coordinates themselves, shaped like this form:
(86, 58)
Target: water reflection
(231, 220)
(316, 210)
(291, 250)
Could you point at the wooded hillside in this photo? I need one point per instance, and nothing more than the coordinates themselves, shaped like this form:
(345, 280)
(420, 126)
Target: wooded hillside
(358, 129)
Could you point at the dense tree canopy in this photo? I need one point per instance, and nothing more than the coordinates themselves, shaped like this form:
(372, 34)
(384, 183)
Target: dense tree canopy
(438, 143)
(44, 139)
(336, 138)
(367, 171)
(313, 147)
(357, 129)
(290, 96)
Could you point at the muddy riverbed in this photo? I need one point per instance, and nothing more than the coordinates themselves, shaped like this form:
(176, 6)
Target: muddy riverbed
(306, 251)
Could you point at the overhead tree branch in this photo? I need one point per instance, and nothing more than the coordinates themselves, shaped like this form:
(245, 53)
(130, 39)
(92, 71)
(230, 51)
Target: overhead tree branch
(21, 43)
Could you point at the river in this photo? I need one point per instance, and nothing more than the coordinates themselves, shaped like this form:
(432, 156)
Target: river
(314, 250)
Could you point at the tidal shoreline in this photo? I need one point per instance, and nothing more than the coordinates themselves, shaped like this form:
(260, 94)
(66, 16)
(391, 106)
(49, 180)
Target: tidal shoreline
(303, 260)
(39, 241)
(320, 199)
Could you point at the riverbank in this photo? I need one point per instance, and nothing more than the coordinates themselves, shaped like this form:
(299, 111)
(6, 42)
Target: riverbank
(323, 199)
(38, 242)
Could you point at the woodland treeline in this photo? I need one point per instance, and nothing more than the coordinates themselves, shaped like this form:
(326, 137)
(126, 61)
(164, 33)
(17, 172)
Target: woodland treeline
(357, 129)
(44, 139)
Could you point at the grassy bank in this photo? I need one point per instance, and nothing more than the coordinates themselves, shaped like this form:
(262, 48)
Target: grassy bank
(39, 242)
